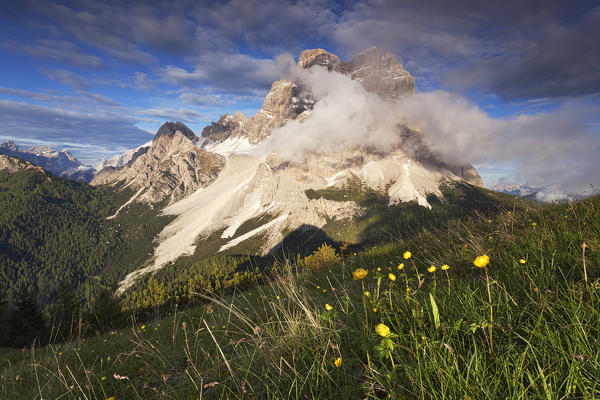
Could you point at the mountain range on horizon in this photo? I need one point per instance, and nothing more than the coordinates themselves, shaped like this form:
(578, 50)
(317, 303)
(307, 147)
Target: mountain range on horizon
(58, 162)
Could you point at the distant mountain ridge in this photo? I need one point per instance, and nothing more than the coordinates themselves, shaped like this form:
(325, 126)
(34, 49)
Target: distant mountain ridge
(517, 189)
(58, 162)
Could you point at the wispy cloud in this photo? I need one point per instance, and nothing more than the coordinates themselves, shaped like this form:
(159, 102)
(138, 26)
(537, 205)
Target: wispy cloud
(68, 78)
(231, 73)
(172, 114)
(56, 50)
(102, 131)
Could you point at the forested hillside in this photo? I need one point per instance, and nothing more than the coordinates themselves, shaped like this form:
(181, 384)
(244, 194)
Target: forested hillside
(53, 232)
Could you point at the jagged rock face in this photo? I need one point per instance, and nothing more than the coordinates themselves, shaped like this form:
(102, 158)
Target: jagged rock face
(60, 163)
(285, 102)
(321, 57)
(171, 168)
(14, 164)
(380, 73)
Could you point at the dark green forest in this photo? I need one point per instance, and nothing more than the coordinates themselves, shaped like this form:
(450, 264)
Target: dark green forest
(53, 231)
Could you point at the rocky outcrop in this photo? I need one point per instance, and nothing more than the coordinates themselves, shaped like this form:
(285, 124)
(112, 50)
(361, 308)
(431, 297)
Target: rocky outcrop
(14, 164)
(286, 101)
(171, 168)
(321, 57)
(380, 73)
(60, 163)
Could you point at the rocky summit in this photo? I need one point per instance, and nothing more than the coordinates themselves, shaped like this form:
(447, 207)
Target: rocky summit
(171, 168)
(378, 72)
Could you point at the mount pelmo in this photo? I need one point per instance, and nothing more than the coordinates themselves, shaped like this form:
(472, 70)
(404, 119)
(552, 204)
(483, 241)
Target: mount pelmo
(231, 190)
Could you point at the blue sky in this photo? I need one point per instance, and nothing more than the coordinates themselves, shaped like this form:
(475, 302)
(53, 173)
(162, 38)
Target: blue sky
(100, 77)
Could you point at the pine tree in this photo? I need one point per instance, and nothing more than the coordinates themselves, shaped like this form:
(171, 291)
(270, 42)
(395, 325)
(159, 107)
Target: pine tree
(106, 311)
(64, 313)
(28, 322)
(5, 324)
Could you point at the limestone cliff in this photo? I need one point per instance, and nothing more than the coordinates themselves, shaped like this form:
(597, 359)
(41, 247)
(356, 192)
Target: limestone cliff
(171, 168)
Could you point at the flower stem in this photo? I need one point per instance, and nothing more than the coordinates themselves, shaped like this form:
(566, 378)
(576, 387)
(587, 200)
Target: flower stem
(487, 279)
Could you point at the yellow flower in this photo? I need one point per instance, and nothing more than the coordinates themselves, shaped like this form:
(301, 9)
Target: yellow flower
(533, 224)
(481, 261)
(522, 261)
(382, 330)
(400, 266)
(103, 378)
(359, 273)
(143, 326)
(374, 309)
(324, 290)
(378, 269)
(432, 269)
(328, 307)
(367, 293)
(407, 290)
(338, 362)
(445, 267)
(489, 221)
(277, 297)
(407, 255)
(392, 277)
(111, 398)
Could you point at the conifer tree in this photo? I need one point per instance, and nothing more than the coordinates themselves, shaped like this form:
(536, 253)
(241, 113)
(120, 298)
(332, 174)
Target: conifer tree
(106, 311)
(64, 313)
(5, 325)
(27, 321)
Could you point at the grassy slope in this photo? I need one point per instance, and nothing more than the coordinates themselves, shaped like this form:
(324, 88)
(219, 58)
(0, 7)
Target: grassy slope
(278, 341)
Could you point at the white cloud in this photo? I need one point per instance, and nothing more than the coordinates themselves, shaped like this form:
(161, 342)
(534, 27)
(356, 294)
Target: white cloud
(547, 149)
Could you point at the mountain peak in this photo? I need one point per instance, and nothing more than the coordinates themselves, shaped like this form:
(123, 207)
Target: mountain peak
(9, 145)
(322, 57)
(170, 128)
(61, 163)
(380, 72)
